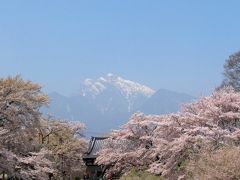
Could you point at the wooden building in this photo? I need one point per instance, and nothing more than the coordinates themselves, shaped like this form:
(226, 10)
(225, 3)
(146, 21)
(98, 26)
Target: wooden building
(94, 171)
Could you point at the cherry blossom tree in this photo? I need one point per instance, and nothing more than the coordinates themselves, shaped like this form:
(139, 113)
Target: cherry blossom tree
(20, 102)
(160, 144)
(67, 144)
(20, 154)
(34, 166)
(33, 146)
(221, 163)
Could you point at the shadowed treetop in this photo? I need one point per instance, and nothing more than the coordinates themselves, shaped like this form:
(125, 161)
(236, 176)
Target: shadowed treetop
(232, 71)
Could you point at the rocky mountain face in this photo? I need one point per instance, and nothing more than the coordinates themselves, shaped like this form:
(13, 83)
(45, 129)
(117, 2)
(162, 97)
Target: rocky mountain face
(108, 102)
(106, 90)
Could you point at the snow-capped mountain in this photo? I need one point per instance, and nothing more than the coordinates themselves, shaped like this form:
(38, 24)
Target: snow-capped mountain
(128, 88)
(108, 102)
(133, 92)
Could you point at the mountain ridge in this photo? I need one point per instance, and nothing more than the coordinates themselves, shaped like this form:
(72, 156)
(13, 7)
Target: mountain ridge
(108, 102)
(130, 90)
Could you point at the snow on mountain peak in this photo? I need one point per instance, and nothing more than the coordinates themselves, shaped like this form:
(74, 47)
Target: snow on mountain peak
(102, 79)
(128, 88)
(109, 74)
(131, 91)
(93, 87)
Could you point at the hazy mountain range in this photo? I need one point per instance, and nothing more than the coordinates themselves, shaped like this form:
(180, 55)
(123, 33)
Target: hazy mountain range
(108, 102)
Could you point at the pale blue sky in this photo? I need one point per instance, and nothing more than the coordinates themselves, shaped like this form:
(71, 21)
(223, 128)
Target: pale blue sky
(177, 45)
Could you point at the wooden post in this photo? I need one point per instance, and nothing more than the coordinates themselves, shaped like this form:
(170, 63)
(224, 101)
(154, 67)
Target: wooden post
(3, 175)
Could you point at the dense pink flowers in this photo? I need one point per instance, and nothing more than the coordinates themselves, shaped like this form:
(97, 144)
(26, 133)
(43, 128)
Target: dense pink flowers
(159, 143)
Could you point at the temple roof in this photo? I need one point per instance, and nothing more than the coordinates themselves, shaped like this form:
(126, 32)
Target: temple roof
(95, 145)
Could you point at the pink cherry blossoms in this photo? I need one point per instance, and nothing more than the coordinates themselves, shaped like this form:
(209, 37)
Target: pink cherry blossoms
(159, 144)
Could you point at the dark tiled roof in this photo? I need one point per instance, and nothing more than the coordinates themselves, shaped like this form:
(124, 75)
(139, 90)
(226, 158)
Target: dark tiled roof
(95, 145)
(98, 143)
